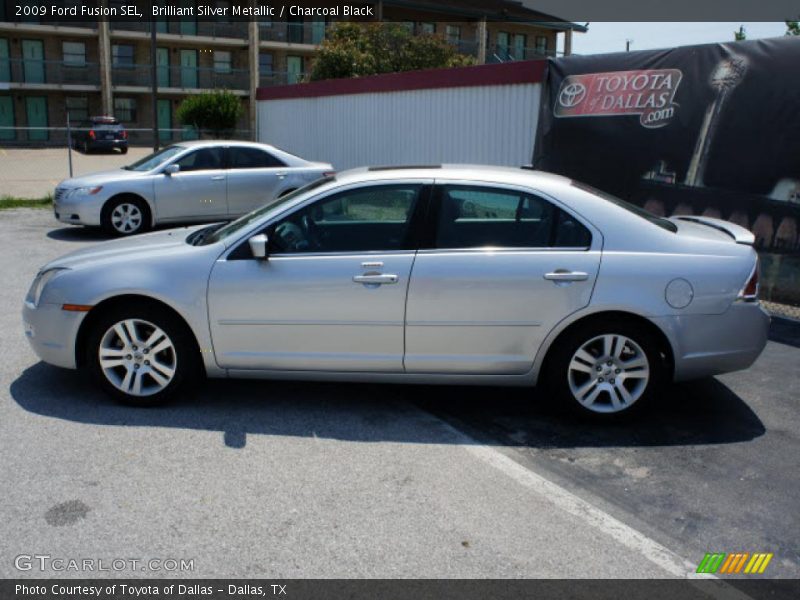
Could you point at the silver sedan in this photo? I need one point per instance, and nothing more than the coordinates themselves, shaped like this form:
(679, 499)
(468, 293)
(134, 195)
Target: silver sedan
(467, 275)
(187, 182)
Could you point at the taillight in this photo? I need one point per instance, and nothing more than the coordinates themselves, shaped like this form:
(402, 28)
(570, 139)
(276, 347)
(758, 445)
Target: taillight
(124, 134)
(92, 134)
(749, 293)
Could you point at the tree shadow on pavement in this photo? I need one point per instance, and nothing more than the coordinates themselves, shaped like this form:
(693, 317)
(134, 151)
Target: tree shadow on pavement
(704, 412)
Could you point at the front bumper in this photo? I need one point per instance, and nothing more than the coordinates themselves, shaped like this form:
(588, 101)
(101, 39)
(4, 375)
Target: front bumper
(52, 332)
(83, 210)
(705, 345)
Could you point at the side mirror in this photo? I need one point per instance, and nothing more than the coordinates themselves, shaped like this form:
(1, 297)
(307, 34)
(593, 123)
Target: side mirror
(172, 169)
(258, 246)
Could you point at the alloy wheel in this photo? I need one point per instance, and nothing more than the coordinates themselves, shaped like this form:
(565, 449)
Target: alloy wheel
(137, 357)
(608, 374)
(126, 217)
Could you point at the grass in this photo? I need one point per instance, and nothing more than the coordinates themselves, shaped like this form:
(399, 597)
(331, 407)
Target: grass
(7, 202)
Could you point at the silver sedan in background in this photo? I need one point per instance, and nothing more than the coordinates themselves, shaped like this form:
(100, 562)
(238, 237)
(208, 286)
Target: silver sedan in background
(467, 275)
(187, 182)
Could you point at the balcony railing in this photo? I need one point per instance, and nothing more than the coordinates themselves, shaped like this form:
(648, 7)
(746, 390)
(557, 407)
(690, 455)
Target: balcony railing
(293, 33)
(499, 54)
(280, 78)
(181, 77)
(56, 72)
(237, 30)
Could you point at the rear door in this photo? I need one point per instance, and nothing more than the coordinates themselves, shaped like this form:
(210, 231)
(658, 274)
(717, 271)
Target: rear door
(504, 266)
(197, 192)
(254, 177)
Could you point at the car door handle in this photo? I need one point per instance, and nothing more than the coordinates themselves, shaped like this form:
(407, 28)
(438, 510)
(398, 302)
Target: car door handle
(379, 278)
(280, 175)
(218, 178)
(564, 275)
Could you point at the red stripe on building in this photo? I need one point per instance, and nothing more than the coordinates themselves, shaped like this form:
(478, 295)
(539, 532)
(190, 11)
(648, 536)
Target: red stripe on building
(510, 73)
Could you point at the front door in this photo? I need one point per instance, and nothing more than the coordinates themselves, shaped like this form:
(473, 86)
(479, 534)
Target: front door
(164, 113)
(196, 192)
(7, 118)
(33, 61)
(189, 68)
(294, 68)
(5, 63)
(162, 66)
(36, 114)
(505, 267)
(331, 295)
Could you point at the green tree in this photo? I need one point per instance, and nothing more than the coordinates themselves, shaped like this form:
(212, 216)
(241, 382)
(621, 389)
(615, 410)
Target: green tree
(356, 50)
(740, 35)
(215, 113)
(792, 27)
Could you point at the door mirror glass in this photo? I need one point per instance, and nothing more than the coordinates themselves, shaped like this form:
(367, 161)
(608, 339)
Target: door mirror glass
(172, 169)
(258, 246)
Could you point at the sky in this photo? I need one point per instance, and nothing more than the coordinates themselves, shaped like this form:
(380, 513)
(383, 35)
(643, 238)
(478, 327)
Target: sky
(610, 37)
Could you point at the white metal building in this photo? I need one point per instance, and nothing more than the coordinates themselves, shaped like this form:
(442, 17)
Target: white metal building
(485, 114)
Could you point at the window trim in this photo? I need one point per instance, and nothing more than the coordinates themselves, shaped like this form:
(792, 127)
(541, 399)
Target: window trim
(428, 245)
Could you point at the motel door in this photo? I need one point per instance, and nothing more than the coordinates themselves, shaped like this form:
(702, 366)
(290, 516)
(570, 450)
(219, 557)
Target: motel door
(189, 68)
(5, 64)
(33, 61)
(162, 66)
(36, 113)
(294, 68)
(164, 112)
(6, 118)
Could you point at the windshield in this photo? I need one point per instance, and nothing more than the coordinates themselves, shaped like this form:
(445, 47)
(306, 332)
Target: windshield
(637, 210)
(234, 226)
(151, 161)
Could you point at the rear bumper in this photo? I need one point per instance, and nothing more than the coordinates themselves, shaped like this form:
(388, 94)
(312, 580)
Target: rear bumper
(705, 345)
(107, 144)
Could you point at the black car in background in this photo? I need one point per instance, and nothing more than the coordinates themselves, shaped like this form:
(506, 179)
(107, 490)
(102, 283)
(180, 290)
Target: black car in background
(100, 133)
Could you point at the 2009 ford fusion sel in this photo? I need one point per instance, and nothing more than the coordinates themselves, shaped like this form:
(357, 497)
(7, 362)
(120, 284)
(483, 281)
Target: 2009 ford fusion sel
(455, 274)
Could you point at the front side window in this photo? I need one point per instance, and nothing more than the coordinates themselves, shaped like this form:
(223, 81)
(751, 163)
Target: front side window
(122, 56)
(376, 218)
(252, 158)
(74, 54)
(478, 217)
(222, 61)
(204, 159)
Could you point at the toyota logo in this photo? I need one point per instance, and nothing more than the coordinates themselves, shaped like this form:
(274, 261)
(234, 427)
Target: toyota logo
(572, 95)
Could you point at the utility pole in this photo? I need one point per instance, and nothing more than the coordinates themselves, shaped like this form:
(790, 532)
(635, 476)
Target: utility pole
(154, 81)
(628, 45)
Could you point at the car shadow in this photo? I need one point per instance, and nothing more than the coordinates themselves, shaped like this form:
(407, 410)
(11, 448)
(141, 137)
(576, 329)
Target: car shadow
(706, 412)
(78, 233)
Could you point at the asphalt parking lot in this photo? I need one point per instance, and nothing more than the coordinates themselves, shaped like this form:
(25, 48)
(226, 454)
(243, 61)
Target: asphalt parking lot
(35, 172)
(254, 479)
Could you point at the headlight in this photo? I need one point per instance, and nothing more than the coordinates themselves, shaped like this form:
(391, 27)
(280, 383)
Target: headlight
(39, 283)
(86, 191)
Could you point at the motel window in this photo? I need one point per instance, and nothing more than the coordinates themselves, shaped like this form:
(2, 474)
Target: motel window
(78, 109)
(520, 46)
(409, 25)
(427, 27)
(74, 54)
(222, 61)
(541, 45)
(122, 56)
(453, 34)
(265, 63)
(223, 17)
(125, 109)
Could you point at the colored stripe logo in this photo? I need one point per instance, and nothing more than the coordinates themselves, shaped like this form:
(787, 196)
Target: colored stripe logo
(734, 563)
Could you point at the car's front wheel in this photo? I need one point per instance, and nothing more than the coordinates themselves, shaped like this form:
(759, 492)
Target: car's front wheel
(125, 216)
(605, 370)
(142, 356)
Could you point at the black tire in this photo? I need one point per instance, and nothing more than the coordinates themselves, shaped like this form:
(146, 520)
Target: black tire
(113, 226)
(559, 379)
(184, 355)
(124, 150)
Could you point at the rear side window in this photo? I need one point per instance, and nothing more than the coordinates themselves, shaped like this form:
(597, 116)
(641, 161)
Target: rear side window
(476, 217)
(253, 158)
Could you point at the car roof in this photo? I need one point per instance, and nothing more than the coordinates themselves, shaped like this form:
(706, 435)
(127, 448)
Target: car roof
(211, 143)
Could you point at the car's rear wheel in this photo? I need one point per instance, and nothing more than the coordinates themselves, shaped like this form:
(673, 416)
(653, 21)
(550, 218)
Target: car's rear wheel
(606, 370)
(141, 356)
(124, 150)
(125, 216)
